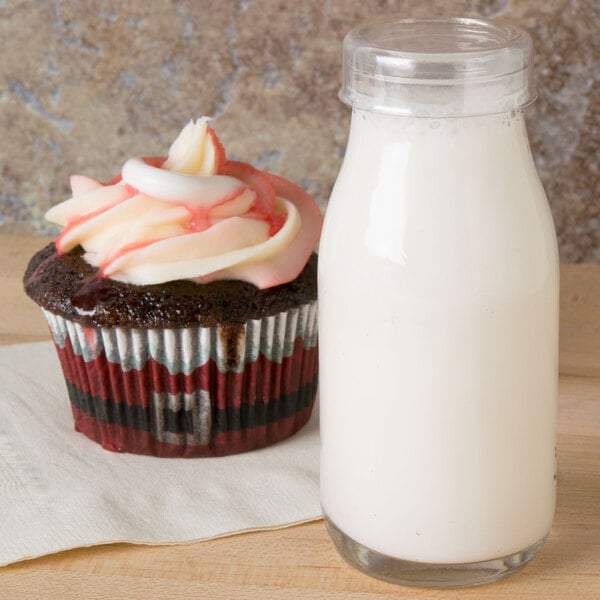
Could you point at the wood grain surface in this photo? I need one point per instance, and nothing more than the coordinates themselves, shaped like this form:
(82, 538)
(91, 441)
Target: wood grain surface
(300, 562)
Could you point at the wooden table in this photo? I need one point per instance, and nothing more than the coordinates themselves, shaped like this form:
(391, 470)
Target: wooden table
(300, 562)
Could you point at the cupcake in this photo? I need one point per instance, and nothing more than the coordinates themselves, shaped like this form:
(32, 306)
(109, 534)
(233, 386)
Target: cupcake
(181, 298)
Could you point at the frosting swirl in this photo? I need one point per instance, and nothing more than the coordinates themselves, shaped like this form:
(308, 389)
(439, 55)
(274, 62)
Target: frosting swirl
(194, 215)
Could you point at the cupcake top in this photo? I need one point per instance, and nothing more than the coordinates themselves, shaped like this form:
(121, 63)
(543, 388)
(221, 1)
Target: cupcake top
(188, 239)
(193, 215)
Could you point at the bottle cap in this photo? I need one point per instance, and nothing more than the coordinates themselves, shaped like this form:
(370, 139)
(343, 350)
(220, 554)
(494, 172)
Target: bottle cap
(438, 67)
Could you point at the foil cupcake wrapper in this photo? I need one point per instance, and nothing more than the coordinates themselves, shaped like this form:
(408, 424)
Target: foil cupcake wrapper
(191, 392)
(185, 349)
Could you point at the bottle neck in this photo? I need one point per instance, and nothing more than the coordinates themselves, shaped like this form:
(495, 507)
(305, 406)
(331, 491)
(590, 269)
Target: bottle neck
(389, 126)
(456, 140)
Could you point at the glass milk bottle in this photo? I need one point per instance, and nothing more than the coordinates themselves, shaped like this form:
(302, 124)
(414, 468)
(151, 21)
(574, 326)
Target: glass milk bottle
(438, 310)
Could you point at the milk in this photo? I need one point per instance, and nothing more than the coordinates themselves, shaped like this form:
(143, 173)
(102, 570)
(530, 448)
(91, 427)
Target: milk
(438, 333)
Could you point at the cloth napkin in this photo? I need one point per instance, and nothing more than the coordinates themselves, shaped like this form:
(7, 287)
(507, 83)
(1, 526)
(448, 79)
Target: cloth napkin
(59, 490)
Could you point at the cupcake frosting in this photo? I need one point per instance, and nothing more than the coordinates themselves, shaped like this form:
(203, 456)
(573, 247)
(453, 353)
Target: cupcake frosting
(194, 215)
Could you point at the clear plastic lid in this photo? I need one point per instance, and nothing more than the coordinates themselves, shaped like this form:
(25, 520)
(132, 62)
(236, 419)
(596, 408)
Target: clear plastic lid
(438, 67)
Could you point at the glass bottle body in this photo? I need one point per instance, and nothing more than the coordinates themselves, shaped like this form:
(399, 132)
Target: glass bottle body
(438, 328)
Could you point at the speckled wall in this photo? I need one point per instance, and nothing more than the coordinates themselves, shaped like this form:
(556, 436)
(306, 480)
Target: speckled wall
(86, 84)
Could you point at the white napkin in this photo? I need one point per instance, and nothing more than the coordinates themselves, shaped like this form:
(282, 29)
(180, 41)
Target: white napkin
(60, 490)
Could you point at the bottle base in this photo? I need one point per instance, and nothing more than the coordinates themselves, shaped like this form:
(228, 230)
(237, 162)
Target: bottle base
(426, 575)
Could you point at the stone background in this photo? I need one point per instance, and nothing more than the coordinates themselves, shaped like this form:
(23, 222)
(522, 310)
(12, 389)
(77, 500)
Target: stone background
(86, 84)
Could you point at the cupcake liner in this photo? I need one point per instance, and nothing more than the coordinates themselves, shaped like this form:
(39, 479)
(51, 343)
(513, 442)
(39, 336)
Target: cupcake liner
(196, 391)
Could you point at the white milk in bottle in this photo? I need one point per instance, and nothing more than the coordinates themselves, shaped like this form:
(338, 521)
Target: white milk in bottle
(438, 310)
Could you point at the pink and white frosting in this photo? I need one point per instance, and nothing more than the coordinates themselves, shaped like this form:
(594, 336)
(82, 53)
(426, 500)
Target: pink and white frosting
(194, 215)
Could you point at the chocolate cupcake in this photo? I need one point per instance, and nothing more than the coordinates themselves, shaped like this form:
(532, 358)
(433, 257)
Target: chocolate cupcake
(181, 298)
